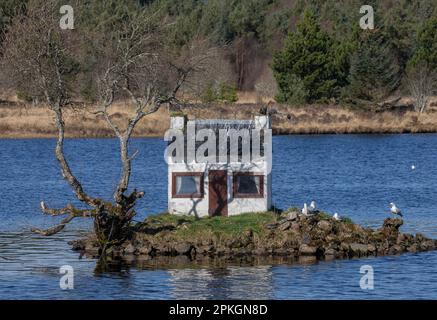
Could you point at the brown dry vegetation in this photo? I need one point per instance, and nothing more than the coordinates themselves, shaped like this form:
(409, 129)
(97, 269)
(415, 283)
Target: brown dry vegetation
(19, 120)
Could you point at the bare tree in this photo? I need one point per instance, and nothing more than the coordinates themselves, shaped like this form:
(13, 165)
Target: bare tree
(421, 84)
(136, 62)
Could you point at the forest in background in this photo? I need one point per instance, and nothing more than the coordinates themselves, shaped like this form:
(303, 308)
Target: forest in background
(295, 51)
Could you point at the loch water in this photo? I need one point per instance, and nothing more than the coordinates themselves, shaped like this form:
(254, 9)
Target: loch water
(354, 175)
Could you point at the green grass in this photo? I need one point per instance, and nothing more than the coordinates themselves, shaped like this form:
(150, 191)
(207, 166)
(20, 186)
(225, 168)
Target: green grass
(323, 216)
(232, 225)
(189, 227)
(347, 220)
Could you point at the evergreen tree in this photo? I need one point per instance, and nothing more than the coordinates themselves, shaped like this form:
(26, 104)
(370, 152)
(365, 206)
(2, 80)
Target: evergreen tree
(375, 71)
(426, 51)
(306, 61)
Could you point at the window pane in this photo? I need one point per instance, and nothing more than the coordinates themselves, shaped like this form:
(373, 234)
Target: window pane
(248, 184)
(187, 184)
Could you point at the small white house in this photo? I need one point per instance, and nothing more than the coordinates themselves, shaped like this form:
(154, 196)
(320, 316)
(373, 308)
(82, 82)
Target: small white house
(221, 178)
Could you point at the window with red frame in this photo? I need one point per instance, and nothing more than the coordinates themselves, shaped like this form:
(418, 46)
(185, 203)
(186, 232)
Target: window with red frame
(248, 185)
(187, 185)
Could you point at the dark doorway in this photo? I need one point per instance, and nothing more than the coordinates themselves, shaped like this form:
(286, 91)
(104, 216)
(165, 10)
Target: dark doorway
(218, 193)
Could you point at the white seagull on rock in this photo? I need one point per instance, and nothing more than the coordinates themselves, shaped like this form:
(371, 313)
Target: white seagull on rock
(305, 209)
(312, 207)
(395, 210)
(336, 216)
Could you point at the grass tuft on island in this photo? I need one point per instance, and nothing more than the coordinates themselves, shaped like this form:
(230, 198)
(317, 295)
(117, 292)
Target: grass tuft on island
(287, 234)
(188, 226)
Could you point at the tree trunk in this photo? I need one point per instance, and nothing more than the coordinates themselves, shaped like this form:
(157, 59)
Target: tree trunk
(111, 226)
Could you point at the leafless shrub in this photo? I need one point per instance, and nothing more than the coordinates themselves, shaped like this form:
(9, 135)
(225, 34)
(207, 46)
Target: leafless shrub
(421, 84)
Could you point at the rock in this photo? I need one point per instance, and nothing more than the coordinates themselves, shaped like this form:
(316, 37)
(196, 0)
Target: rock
(292, 215)
(393, 223)
(295, 226)
(401, 238)
(324, 225)
(91, 250)
(371, 248)
(161, 248)
(220, 251)
(281, 251)
(77, 245)
(330, 238)
(344, 246)
(358, 249)
(419, 237)
(429, 245)
(284, 226)
(271, 226)
(260, 251)
(183, 248)
(145, 249)
(306, 238)
(329, 252)
(397, 249)
(305, 249)
(129, 249)
(412, 248)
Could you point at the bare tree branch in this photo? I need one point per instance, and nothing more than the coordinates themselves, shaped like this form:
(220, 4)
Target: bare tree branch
(69, 209)
(61, 226)
(135, 62)
(421, 83)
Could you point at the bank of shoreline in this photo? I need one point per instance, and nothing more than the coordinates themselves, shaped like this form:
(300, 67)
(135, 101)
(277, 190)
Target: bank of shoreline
(19, 121)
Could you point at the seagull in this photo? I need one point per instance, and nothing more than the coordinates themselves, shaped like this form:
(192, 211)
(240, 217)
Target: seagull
(336, 216)
(312, 206)
(413, 167)
(395, 210)
(305, 209)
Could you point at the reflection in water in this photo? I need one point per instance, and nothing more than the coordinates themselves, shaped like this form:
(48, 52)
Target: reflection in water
(207, 277)
(231, 282)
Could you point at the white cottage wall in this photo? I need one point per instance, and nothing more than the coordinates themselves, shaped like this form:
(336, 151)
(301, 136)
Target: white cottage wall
(199, 206)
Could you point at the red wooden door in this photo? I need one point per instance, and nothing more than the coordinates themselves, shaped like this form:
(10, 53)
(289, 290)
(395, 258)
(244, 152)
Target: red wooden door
(218, 193)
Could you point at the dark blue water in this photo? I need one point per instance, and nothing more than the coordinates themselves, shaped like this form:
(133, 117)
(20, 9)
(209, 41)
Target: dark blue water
(354, 175)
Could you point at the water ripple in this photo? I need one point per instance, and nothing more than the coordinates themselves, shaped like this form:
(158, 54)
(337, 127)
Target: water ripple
(354, 175)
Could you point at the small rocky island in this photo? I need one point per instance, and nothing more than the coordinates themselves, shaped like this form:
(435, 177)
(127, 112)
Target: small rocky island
(287, 234)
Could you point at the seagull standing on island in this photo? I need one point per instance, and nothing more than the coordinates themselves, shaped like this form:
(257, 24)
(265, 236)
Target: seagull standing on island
(305, 209)
(336, 216)
(312, 208)
(395, 210)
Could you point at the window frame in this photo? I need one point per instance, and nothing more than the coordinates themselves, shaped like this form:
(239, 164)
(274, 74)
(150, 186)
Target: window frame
(187, 196)
(235, 176)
